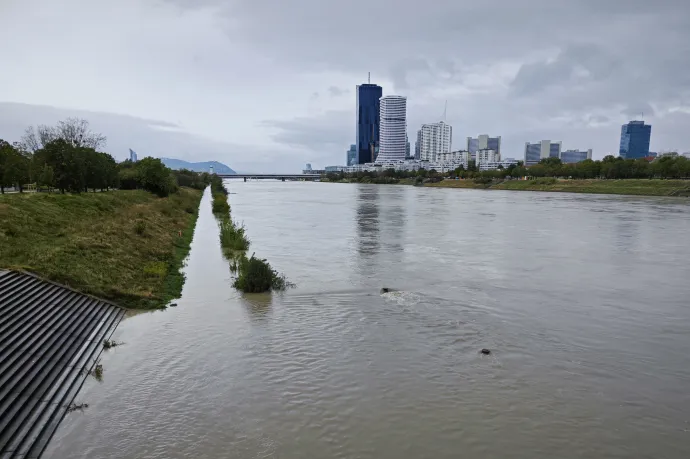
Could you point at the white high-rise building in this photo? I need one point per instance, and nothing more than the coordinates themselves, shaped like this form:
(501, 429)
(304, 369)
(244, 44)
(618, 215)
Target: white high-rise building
(435, 139)
(487, 156)
(392, 129)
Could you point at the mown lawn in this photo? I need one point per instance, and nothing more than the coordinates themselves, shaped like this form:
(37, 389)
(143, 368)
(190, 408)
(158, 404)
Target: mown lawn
(123, 246)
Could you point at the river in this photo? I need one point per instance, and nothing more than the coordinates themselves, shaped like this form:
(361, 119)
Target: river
(584, 301)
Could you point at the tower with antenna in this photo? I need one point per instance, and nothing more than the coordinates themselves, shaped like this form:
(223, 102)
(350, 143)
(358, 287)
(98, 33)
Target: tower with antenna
(368, 120)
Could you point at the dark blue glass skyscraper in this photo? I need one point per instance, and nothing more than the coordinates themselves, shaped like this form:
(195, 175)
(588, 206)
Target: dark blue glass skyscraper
(368, 120)
(635, 138)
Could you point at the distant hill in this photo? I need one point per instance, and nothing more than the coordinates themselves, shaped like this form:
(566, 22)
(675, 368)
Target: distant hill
(218, 168)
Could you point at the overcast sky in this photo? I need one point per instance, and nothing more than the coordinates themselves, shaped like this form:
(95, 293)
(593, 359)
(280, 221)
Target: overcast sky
(268, 85)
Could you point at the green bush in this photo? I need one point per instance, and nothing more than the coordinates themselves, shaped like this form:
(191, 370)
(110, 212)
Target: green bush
(217, 186)
(233, 237)
(220, 204)
(257, 276)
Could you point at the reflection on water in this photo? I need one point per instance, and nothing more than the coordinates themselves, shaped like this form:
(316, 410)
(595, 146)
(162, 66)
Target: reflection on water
(257, 305)
(582, 300)
(368, 220)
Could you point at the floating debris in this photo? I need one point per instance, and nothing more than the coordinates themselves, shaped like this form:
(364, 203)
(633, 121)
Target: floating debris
(485, 351)
(97, 372)
(107, 343)
(77, 407)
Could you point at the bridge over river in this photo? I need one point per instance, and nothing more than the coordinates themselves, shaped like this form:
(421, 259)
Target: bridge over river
(281, 177)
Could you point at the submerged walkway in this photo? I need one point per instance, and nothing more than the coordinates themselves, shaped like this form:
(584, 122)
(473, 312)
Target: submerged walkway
(50, 337)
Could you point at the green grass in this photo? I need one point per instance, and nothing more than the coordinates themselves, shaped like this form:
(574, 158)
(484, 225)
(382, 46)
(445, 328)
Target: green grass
(122, 246)
(636, 187)
(232, 236)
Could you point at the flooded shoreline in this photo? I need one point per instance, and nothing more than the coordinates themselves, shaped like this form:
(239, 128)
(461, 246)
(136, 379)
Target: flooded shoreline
(589, 358)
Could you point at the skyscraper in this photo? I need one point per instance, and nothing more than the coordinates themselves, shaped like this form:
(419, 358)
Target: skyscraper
(418, 146)
(635, 137)
(351, 158)
(393, 115)
(132, 155)
(575, 156)
(535, 152)
(483, 142)
(368, 121)
(434, 138)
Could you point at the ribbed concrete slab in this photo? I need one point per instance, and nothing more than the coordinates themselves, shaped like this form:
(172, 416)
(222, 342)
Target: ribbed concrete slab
(50, 338)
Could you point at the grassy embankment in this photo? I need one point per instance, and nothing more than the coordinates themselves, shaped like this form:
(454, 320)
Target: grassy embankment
(253, 275)
(122, 246)
(638, 187)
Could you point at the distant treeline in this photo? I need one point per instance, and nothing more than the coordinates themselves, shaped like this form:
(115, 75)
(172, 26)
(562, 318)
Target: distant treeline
(66, 158)
(666, 167)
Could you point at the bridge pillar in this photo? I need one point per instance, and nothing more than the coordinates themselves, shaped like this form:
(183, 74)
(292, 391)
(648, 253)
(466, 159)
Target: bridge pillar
(245, 179)
(282, 179)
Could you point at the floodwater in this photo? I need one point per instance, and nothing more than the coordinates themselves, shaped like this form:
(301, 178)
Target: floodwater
(584, 301)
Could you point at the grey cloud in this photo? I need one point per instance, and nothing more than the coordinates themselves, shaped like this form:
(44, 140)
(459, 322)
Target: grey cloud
(323, 136)
(638, 109)
(147, 138)
(334, 91)
(401, 69)
(607, 60)
(575, 64)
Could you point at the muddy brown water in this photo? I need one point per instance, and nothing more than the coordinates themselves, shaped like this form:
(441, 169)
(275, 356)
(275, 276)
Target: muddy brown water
(584, 301)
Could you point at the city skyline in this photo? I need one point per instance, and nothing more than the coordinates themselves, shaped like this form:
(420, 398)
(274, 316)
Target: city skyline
(293, 101)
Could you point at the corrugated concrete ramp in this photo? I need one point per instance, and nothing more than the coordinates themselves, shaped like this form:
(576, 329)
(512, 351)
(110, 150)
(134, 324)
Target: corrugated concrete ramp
(50, 337)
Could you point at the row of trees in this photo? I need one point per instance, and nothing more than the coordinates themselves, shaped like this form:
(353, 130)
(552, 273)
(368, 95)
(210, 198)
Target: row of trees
(65, 157)
(667, 167)
(611, 167)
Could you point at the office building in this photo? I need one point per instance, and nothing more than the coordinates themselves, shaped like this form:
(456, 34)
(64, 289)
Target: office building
(502, 164)
(535, 152)
(456, 158)
(351, 158)
(418, 146)
(434, 139)
(635, 137)
(393, 116)
(407, 147)
(368, 121)
(575, 156)
(486, 156)
(132, 155)
(483, 142)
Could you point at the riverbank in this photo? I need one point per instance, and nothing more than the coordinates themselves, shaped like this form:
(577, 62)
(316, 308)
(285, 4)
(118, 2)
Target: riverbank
(635, 187)
(124, 246)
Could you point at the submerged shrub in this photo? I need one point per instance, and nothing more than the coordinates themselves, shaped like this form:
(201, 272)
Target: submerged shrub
(233, 237)
(256, 276)
(220, 204)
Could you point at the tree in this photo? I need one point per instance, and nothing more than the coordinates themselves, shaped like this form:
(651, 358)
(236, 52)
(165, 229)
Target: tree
(14, 167)
(154, 176)
(47, 177)
(74, 131)
(5, 151)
